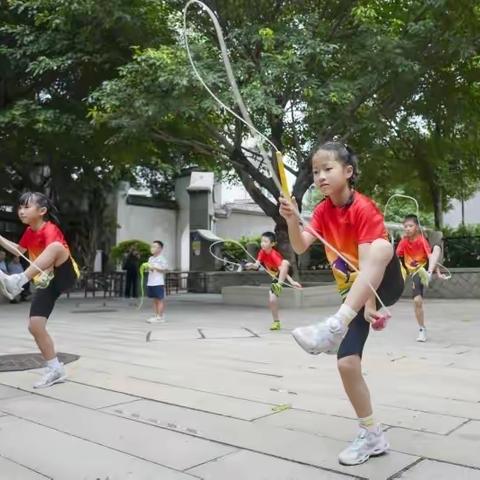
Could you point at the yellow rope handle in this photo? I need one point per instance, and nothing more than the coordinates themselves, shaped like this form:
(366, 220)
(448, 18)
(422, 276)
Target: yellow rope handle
(282, 174)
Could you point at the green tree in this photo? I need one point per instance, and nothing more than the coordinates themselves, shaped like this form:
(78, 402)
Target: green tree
(307, 70)
(53, 55)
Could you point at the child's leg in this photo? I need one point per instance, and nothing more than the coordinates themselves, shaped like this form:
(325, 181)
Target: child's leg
(283, 272)
(160, 307)
(42, 305)
(419, 314)
(273, 304)
(53, 256)
(371, 440)
(350, 369)
(417, 294)
(38, 328)
(372, 271)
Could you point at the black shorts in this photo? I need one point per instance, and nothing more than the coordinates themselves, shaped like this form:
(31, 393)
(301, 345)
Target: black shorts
(417, 286)
(44, 299)
(390, 290)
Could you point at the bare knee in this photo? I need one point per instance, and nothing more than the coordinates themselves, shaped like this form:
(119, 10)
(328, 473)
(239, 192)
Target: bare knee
(36, 326)
(348, 366)
(418, 302)
(381, 250)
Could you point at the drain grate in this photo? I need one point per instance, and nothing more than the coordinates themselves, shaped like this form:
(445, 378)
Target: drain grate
(29, 361)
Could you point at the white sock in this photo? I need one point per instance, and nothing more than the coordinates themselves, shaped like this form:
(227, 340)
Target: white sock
(53, 363)
(22, 278)
(345, 315)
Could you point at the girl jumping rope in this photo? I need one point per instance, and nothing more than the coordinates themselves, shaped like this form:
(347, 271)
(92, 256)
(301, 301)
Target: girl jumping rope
(354, 226)
(47, 248)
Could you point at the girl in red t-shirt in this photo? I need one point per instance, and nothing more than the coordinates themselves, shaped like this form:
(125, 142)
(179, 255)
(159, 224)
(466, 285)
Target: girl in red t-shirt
(276, 265)
(46, 246)
(354, 226)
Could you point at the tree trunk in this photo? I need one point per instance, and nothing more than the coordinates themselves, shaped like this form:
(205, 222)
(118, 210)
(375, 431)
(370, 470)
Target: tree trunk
(436, 192)
(283, 244)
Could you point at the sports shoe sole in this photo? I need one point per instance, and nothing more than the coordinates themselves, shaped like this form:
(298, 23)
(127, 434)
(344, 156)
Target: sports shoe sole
(58, 380)
(376, 453)
(311, 351)
(4, 291)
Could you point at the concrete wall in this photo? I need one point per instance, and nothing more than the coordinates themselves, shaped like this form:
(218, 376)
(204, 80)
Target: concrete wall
(213, 282)
(465, 283)
(147, 224)
(453, 218)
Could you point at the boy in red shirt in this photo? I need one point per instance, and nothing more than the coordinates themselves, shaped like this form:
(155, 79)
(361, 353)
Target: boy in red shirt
(276, 265)
(414, 251)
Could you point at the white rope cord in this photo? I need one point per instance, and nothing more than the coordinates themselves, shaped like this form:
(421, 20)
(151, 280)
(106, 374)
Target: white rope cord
(247, 121)
(11, 246)
(447, 275)
(223, 260)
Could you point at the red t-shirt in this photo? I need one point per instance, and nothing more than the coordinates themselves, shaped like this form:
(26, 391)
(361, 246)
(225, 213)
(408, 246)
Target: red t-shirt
(35, 241)
(415, 252)
(345, 228)
(270, 260)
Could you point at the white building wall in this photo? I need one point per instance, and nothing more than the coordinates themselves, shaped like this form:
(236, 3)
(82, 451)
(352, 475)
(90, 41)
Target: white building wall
(243, 225)
(148, 224)
(453, 218)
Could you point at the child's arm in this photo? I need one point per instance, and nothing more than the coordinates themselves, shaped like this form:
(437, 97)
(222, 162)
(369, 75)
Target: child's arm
(299, 239)
(252, 266)
(12, 247)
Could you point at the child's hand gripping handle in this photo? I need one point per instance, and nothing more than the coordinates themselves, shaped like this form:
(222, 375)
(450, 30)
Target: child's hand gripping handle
(380, 320)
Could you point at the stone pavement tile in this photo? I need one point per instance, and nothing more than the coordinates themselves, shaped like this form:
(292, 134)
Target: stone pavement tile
(245, 465)
(470, 431)
(60, 456)
(8, 392)
(210, 402)
(438, 447)
(430, 469)
(341, 428)
(145, 441)
(441, 406)
(289, 445)
(12, 471)
(78, 394)
(225, 333)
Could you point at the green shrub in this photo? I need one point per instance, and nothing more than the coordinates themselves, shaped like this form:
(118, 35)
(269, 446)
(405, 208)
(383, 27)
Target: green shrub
(462, 246)
(122, 248)
(238, 254)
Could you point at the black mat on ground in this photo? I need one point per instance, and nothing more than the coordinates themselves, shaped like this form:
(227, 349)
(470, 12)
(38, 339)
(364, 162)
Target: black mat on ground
(29, 361)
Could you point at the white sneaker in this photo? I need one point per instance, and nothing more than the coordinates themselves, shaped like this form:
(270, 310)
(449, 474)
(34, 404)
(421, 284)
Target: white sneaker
(323, 337)
(156, 320)
(422, 335)
(51, 376)
(10, 285)
(369, 443)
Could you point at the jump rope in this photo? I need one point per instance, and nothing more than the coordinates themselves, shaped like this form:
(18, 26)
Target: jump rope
(446, 272)
(280, 180)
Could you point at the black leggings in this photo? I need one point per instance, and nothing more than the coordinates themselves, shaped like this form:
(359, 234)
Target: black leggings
(390, 290)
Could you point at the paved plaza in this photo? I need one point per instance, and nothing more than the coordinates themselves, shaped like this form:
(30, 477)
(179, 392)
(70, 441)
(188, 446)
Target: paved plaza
(215, 395)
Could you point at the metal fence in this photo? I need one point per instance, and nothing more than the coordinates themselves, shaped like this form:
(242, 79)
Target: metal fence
(110, 285)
